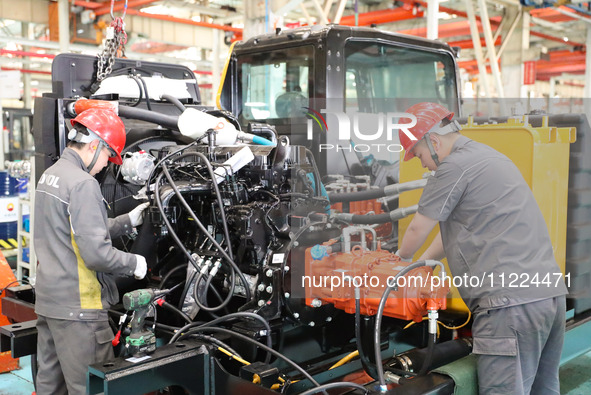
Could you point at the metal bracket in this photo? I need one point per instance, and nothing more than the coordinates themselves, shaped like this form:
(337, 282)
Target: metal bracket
(20, 338)
(187, 364)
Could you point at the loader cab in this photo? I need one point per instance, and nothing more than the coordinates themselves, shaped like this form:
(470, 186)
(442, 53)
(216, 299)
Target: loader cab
(308, 81)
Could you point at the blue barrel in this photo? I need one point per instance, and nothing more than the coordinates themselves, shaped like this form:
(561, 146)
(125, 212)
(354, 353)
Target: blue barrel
(8, 206)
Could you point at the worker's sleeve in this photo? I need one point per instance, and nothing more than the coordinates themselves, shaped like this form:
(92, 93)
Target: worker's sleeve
(119, 226)
(90, 232)
(443, 192)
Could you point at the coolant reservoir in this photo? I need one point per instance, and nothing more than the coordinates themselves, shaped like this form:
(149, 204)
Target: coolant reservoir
(194, 124)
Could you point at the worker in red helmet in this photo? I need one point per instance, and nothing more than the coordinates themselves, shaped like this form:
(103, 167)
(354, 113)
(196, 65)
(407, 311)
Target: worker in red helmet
(492, 230)
(75, 283)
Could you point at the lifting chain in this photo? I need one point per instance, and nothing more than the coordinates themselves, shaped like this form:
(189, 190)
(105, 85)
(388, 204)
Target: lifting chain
(115, 42)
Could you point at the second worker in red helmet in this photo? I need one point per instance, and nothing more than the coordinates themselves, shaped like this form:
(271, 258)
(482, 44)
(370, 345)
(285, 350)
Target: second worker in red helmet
(490, 228)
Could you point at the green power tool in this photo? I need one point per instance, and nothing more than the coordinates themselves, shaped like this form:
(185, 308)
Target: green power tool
(141, 340)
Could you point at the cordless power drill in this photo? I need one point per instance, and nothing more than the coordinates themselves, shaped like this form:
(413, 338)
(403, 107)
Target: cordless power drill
(141, 339)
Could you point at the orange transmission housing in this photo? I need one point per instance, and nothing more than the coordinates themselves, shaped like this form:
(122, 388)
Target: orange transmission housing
(334, 277)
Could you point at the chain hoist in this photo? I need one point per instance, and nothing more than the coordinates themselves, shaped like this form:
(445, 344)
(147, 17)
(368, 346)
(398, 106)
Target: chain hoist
(114, 46)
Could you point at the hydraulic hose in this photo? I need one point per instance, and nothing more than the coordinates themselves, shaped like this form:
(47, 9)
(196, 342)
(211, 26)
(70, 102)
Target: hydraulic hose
(368, 366)
(262, 141)
(261, 346)
(388, 190)
(175, 101)
(380, 314)
(172, 308)
(169, 225)
(235, 268)
(168, 121)
(228, 256)
(228, 317)
(429, 358)
(220, 202)
(392, 216)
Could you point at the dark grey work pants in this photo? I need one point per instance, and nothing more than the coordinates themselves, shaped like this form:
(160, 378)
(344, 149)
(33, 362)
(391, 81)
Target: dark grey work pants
(519, 348)
(64, 351)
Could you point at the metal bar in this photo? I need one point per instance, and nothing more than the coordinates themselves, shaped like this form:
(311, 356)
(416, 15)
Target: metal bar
(327, 7)
(587, 90)
(432, 21)
(320, 12)
(491, 49)
(26, 53)
(573, 15)
(508, 36)
(63, 12)
(119, 7)
(185, 21)
(88, 4)
(306, 14)
(340, 10)
(477, 47)
(382, 16)
(27, 70)
(20, 339)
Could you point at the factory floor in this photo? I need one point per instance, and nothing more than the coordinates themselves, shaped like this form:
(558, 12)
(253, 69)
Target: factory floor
(575, 378)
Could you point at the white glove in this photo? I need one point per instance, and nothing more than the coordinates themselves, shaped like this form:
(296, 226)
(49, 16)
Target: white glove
(136, 216)
(141, 268)
(407, 260)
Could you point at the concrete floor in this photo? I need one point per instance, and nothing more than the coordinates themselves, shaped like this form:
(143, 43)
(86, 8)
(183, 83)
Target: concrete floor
(575, 378)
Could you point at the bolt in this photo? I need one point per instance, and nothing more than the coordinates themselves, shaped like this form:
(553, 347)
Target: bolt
(312, 229)
(295, 243)
(312, 323)
(296, 315)
(316, 302)
(261, 287)
(269, 289)
(328, 226)
(286, 269)
(328, 319)
(73, 64)
(287, 295)
(269, 273)
(261, 303)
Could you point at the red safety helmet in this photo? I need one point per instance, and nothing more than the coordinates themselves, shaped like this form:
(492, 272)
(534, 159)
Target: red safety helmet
(428, 116)
(106, 125)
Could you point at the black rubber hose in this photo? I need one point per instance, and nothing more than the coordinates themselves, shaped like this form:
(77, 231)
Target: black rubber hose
(139, 85)
(227, 256)
(356, 196)
(222, 212)
(169, 225)
(380, 314)
(329, 386)
(169, 275)
(228, 317)
(218, 197)
(261, 346)
(203, 306)
(384, 218)
(429, 358)
(147, 95)
(172, 308)
(368, 366)
(175, 101)
(168, 121)
(371, 219)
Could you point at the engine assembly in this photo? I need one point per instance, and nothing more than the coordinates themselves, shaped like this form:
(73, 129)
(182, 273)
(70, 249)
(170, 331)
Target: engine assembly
(274, 275)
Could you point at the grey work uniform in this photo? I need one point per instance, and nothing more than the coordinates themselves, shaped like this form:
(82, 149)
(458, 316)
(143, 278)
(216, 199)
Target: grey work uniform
(75, 284)
(495, 237)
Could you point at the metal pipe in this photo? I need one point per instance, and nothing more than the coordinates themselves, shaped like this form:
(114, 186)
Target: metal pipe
(477, 47)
